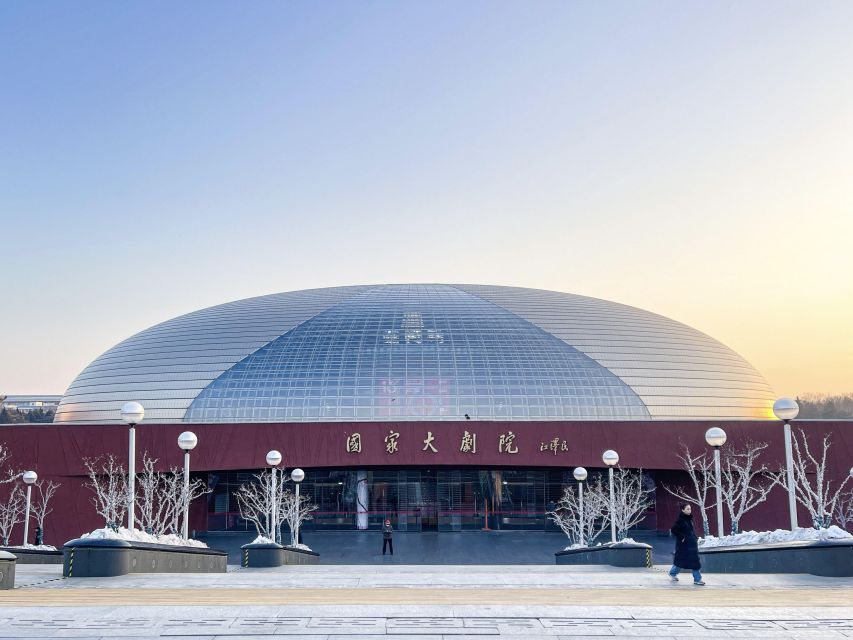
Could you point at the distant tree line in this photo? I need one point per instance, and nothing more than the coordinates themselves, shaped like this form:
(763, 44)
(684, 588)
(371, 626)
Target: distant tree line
(824, 405)
(14, 416)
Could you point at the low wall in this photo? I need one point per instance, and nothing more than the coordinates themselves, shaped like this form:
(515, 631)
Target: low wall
(275, 555)
(618, 555)
(820, 558)
(35, 556)
(7, 570)
(101, 558)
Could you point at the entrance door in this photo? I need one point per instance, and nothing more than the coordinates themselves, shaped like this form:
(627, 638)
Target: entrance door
(429, 501)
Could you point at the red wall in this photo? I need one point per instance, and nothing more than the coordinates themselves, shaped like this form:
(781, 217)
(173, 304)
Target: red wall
(57, 452)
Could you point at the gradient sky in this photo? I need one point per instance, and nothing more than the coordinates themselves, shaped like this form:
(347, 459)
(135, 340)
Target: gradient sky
(693, 159)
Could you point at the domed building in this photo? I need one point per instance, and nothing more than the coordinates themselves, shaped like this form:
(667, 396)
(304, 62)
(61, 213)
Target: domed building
(441, 407)
(419, 352)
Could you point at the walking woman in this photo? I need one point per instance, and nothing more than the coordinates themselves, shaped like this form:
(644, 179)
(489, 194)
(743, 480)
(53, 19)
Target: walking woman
(387, 541)
(686, 546)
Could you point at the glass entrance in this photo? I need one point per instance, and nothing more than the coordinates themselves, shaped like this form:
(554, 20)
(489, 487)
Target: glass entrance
(413, 499)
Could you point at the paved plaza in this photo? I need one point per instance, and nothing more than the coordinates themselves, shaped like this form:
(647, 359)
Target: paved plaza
(424, 602)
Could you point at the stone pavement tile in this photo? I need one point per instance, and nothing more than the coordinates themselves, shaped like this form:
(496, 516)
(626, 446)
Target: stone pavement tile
(675, 626)
(746, 613)
(356, 636)
(632, 637)
(574, 626)
(506, 625)
(332, 624)
(303, 636)
(817, 626)
(267, 624)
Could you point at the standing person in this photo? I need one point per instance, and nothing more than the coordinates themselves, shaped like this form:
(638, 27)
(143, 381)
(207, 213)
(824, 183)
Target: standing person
(387, 541)
(686, 546)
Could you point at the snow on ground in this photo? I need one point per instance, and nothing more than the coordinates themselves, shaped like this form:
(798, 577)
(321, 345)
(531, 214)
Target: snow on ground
(777, 536)
(34, 547)
(626, 541)
(304, 547)
(140, 536)
(571, 547)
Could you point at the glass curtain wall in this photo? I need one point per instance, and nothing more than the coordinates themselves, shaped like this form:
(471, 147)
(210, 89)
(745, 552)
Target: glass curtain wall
(416, 499)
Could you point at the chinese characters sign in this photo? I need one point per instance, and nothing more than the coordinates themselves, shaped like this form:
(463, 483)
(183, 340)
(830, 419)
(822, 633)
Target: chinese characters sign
(506, 443)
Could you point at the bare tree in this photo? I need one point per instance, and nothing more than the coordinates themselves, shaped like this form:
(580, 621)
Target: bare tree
(745, 482)
(160, 497)
(700, 469)
(173, 483)
(582, 528)
(630, 499)
(295, 511)
(11, 512)
(45, 490)
(844, 510)
(108, 480)
(254, 500)
(155, 497)
(815, 494)
(9, 474)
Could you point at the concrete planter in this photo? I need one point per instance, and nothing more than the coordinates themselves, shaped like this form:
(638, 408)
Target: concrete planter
(7, 570)
(84, 558)
(634, 554)
(275, 555)
(819, 558)
(35, 556)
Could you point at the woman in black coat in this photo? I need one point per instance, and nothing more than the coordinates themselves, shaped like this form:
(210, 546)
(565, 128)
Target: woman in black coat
(686, 546)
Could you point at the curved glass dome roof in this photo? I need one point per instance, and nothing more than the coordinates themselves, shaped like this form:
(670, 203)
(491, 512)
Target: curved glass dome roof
(418, 352)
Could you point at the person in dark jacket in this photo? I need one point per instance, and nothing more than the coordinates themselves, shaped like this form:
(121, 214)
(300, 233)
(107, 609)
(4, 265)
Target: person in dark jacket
(686, 546)
(387, 541)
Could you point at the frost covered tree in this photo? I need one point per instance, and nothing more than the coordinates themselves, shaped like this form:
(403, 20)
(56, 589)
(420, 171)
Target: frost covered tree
(630, 499)
(814, 491)
(700, 468)
(254, 500)
(294, 511)
(7, 472)
(746, 483)
(45, 490)
(11, 512)
(844, 510)
(108, 481)
(582, 528)
(160, 497)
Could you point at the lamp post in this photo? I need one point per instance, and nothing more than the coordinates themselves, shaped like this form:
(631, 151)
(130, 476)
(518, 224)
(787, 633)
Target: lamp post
(297, 475)
(132, 413)
(187, 441)
(611, 459)
(580, 476)
(273, 460)
(786, 409)
(29, 478)
(716, 437)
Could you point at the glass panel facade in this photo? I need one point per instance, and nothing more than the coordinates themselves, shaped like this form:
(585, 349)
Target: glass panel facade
(419, 352)
(417, 499)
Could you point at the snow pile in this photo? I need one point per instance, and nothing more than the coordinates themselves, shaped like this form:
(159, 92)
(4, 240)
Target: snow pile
(625, 541)
(304, 547)
(34, 547)
(777, 536)
(262, 540)
(575, 546)
(140, 536)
